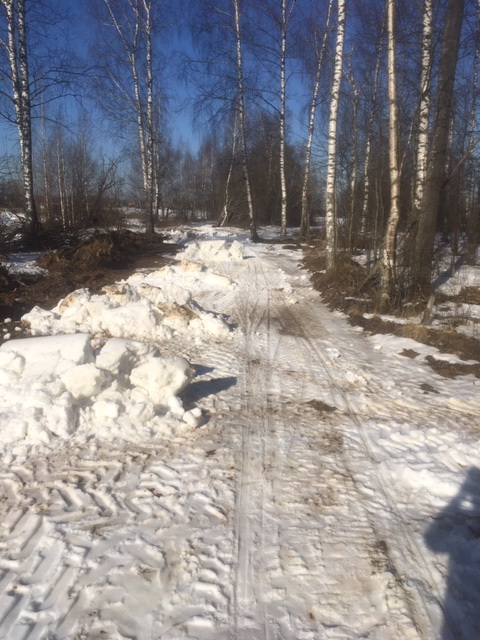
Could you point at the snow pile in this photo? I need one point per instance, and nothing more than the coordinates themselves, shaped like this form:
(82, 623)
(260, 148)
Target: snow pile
(135, 310)
(214, 251)
(56, 385)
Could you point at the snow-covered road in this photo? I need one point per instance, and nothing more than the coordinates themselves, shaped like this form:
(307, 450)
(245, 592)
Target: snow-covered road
(333, 493)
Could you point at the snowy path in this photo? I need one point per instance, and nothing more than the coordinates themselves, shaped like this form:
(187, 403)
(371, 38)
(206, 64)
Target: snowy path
(300, 511)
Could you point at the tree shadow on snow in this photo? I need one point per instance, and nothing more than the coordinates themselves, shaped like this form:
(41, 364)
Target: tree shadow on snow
(456, 531)
(203, 388)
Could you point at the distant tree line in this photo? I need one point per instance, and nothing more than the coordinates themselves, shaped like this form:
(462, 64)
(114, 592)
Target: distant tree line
(363, 113)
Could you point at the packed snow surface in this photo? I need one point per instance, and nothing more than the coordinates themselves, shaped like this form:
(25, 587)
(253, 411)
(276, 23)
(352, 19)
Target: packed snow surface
(206, 451)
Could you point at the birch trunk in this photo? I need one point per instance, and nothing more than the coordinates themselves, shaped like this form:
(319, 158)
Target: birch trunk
(149, 118)
(226, 205)
(330, 216)
(283, 180)
(353, 176)
(142, 119)
(241, 122)
(368, 146)
(424, 108)
(427, 223)
(387, 272)
(18, 63)
(305, 219)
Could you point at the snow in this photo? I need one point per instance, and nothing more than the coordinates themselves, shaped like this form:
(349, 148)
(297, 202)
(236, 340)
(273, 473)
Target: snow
(206, 451)
(53, 384)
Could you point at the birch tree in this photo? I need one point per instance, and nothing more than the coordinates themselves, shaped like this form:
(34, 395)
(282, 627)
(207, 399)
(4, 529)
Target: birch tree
(241, 120)
(368, 144)
(16, 48)
(283, 58)
(387, 271)
(330, 217)
(222, 221)
(425, 240)
(424, 107)
(126, 83)
(305, 219)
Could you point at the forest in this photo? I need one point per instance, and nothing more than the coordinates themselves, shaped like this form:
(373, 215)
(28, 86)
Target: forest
(354, 117)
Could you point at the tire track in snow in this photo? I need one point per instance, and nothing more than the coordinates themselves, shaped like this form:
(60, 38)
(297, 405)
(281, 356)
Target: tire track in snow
(294, 533)
(250, 485)
(411, 558)
(96, 543)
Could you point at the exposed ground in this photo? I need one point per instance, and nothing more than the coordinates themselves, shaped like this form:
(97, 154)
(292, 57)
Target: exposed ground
(349, 289)
(98, 260)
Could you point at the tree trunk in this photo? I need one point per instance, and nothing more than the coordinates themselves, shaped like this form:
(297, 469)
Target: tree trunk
(425, 240)
(368, 147)
(330, 220)
(305, 219)
(387, 273)
(222, 221)
(241, 122)
(18, 62)
(149, 129)
(353, 175)
(424, 109)
(473, 218)
(283, 180)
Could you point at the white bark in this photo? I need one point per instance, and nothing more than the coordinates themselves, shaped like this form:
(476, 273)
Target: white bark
(143, 108)
(226, 205)
(17, 53)
(149, 130)
(305, 219)
(424, 109)
(283, 180)
(241, 120)
(353, 175)
(387, 273)
(332, 138)
(368, 146)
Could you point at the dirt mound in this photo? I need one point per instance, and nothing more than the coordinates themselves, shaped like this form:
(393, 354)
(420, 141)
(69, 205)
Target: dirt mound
(111, 250)
(95, 262)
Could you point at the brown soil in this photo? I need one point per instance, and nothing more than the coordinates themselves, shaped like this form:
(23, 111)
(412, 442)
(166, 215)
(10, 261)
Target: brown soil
(321, 407)
(450, 370)
(409, 353)
(427, 388)
(94, 263)
(348, 288)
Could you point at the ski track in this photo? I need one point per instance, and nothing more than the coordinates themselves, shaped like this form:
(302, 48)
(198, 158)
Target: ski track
(278, 520)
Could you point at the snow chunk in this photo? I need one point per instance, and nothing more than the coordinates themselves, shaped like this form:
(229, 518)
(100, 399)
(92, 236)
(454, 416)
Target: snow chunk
(142, 312)
(84, 381)
(214, 251)
(119, 356)
(162, 378)
(43, 357)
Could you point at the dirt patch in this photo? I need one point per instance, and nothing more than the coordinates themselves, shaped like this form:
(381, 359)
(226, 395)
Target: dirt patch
(451, 370)
(410, 353)
(102, 259)
(345, 287)
(427, 388)
(349, 288)
(321, 407)
(446, 341)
